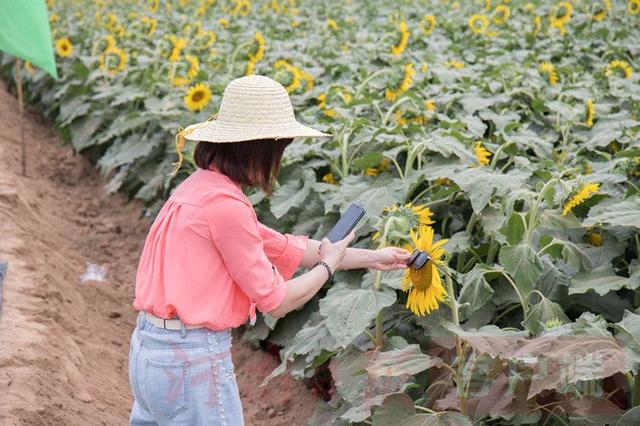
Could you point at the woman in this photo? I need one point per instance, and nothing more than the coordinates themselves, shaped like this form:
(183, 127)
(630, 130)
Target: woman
(208, 263)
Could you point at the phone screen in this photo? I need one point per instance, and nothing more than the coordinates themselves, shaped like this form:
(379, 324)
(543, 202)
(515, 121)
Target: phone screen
(347, 222)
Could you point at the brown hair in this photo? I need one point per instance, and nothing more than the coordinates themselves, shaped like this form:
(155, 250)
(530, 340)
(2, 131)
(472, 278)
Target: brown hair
(252, 163)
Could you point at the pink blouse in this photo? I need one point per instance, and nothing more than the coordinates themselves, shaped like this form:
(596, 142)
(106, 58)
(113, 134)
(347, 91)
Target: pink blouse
(209, 261)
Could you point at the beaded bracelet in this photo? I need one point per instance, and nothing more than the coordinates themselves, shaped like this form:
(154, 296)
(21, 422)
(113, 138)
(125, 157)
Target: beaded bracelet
(328, 268)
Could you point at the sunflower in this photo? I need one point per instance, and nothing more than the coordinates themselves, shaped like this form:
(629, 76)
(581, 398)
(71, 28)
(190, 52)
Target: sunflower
(150, 24)
(322, 104)
(424, 67)
(407, 217)
(198, 96)
(405, 84)
(561, 15)
(425, 285)
(482, 154)
(331, 23)
(590, 113)
(194, 65)
(550, 70)
(619, 64)
(330, 179)
(111, 41)
(154, 5)
(595, 238)
(404, 40)
(428, 24)
(585, 192)
(295, 73)
(209, 36)
(375, 171)
(633, 7)
(241, 7)
(430, 105)
(255, 57)
(177, 45)
(224, 22)
(29, 67)
(600, 11)
(501, 14)
(64, 47)
(106, 60)
(308, 78)
(478, 19)
(454, 64)
(537, 25)
(529, 7)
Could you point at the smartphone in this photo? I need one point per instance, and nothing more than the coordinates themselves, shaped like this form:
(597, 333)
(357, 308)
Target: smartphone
(347, 222)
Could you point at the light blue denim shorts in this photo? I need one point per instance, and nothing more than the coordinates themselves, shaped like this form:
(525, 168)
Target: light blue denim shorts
(182, 377)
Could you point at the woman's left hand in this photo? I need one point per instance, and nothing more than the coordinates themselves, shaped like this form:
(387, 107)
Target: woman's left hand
(390, 258)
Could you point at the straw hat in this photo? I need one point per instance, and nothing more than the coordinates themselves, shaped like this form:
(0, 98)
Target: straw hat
(252, 107)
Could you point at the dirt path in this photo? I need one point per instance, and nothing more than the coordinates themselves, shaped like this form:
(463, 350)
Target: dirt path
(64, 343)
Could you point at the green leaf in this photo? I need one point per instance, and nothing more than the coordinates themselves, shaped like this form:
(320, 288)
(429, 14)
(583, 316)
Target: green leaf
(602, 280)
(514, 229)
(440, 419)
(408, 360)
(476, 291)
(621, 213)
(544, 314)
(372, 196)
(628, 333)
(290, 195)
(570, 252)
(395, 408)
(125, 151)
(310, 340)
(480, 184)
(70, 110)
(361, 391)
(630, 418)
(349, 311)
(83, 129)
(475, 125)
(524, 265)
(370, 159)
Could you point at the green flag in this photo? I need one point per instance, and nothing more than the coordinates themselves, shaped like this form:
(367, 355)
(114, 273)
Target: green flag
(25, 33)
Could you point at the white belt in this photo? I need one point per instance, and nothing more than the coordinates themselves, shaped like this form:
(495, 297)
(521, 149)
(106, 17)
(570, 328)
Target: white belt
(168, 324)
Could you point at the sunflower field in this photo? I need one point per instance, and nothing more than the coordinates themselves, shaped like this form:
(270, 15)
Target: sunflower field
(500, 137)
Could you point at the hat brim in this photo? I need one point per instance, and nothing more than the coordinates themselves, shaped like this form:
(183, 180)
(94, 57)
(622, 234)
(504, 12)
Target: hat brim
(217, 132)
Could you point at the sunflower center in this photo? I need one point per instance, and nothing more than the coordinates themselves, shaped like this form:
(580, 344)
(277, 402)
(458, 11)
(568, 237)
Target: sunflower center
(197, 96)
(562, 12)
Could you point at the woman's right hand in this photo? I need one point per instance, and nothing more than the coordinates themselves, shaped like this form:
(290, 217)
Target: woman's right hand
(333, 253)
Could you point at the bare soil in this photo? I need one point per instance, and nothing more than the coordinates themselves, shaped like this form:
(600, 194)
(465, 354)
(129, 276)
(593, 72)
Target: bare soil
(64, 343)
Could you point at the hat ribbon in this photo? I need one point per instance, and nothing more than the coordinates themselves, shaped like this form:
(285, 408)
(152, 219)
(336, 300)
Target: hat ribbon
(180, 141)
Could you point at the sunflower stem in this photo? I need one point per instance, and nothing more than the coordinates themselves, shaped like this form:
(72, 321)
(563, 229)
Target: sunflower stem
(379, 339)
(395, 105)
(472, 222)
(523, 303)
(493, 250)
(533, 212)
(366, 81)
(235, 53)
(459, 354)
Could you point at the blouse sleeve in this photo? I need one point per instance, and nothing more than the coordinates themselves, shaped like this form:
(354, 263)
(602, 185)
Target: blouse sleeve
(235, 233)
(284, 250)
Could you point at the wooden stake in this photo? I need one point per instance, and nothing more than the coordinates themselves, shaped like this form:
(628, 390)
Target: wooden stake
(21, 104)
